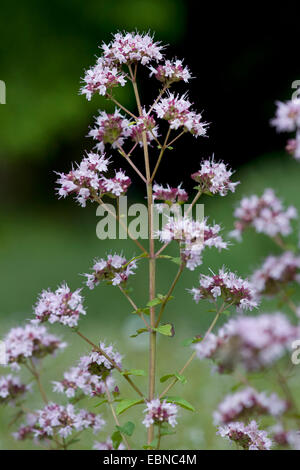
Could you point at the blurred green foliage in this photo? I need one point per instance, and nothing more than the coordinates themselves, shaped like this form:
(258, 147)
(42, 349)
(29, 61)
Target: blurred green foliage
(45, 48)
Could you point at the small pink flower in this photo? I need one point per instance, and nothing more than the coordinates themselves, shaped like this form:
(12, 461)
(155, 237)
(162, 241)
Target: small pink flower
(61, 306)
(248, 437)
(114, 270)
(158, 412)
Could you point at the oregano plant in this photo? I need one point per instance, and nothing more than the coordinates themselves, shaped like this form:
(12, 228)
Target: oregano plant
(249, 342)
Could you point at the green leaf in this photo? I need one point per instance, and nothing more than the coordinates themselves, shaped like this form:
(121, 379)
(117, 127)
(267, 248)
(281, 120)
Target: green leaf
(164, 378)
(125, 404)
(179, 377)
(101, 402)
(72, 441)
(226, 312)
(116, 439)
(189, 341)
(137, 372)
(153, 302)
(180, 402)
(176, 260)
(167, 433)
(146, 311)
(236, 386)
(127, 429)
(139, 332)
(166, 330)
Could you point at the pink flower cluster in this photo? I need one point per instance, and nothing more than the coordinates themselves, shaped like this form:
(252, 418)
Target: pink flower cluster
(144, 123)
(171, 71)
(30, 341)
(266, 214)
(11, 389)
(248, 437)
(193, 236)
(110, 129)
(61, 306)
(275, 273)
(87, 181)
(124, 49)
(92, 375)
(58, 420)
(214, 178)
(287, 119)
(114, 270)
(169, 195)
(158, 412)
(107, 445)
(245, 402)
(176, 110)
(286, 438)
(254, 342)
(128, 48)
(232, 289)
(101, 78)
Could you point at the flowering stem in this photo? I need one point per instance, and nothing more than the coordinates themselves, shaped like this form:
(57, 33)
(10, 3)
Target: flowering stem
(164, 303)
(110, 402)
(131, 163)
(100, 202)
(152, 334)
(194, 353)
(134, 306)
(113, 363)
(162, 151)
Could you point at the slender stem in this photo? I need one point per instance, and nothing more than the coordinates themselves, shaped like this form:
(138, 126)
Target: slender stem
(37, 377)
(175, 138)
(38, 380)
(290, 303)
(110, 402)
(99, 200)
(165, 87)
(132, 164)
(286, 389)
(134, 306)
(162, 248)
(278, 240)
(113, 363)
(164, 303)
(152, 334)
(122, 107)
(194, 202)
(194, 353)
(158, 437)
(162, 151)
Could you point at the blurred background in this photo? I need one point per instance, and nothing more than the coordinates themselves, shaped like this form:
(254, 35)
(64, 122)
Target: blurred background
(243, 60)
